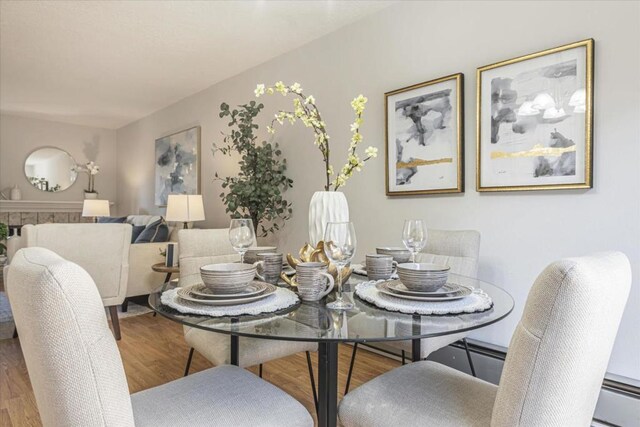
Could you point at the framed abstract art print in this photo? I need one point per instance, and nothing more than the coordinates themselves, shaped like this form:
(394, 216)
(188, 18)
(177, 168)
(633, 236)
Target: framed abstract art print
(177, 159)
(534, 121)
(424, 138)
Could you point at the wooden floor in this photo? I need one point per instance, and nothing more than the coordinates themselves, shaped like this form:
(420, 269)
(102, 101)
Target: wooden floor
(154, 352)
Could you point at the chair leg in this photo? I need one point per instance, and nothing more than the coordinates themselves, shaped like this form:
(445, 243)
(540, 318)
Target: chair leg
(125, 305)
(186, 368)
(113, 313)
(313, 381)
(466, 348)
(403, 357)
(15, 332)
(260, 371)
(353, 360)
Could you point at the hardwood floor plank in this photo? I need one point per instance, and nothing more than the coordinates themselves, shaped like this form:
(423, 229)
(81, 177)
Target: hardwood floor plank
(154, 352)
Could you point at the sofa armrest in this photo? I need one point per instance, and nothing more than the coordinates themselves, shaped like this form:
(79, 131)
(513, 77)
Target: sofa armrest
(14, 244)
(142, 279)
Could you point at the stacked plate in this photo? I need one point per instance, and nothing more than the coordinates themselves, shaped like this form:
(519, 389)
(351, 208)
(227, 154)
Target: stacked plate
(202, 294)
(448, 292)
(423, 277)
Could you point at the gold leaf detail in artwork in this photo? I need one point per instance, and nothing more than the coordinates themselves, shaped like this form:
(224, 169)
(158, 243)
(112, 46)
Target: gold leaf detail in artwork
(421, 162)
(536, 151)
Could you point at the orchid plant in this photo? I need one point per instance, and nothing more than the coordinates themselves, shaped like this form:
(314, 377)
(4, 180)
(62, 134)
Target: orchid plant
(306, 111)
(90, 169)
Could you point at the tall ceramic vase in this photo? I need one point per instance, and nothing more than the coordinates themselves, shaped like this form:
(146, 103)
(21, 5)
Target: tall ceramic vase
(325, 207)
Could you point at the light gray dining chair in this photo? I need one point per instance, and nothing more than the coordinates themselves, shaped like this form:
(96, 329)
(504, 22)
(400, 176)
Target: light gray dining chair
(199, 247)
(77, 374)
(554, 368)
(458, 249)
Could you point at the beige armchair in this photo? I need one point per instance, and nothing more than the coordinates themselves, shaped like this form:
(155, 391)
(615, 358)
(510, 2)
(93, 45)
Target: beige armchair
(460, 250)
(101, 249)
(554, 368)
(77, 374)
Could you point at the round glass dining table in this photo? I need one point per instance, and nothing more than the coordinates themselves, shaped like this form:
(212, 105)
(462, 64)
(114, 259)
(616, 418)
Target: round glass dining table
(312, 321)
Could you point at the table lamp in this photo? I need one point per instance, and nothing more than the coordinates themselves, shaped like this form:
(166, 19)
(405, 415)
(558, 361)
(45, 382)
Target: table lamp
(185, 208)
(95, 208)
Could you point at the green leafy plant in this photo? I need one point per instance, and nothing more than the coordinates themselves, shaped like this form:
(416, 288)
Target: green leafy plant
(4, 232)
(256, 192)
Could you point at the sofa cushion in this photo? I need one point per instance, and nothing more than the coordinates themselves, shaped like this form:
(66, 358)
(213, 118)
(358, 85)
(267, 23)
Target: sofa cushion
(155, 232)
(112, 219)
(136, 230)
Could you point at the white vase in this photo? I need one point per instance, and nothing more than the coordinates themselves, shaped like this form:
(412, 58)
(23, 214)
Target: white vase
(325, 207)
(90, 195)
(16, 194)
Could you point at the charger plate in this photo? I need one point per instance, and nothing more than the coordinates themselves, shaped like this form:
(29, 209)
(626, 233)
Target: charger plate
(185, 294)
(461, 293)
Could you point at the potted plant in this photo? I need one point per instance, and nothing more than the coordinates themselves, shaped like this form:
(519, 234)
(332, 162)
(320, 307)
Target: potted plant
(257, 191)
(4, 232)
(91, 169)
(329, 205)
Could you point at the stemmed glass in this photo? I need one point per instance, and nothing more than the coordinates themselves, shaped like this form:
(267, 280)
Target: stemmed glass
(340, 246)
(241, 236)
(414, 236)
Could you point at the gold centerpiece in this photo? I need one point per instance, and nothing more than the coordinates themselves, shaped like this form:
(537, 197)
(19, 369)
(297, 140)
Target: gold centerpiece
(310, 254)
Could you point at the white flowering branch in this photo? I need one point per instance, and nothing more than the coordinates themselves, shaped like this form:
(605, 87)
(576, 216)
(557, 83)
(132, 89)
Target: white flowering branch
(306, 110)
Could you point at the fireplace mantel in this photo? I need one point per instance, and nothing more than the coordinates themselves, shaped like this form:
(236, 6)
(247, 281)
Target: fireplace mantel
(40, 206)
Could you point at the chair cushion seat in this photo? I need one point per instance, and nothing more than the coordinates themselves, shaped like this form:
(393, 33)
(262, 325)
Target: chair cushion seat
(420, 394)
(222, 396)
(253, 351)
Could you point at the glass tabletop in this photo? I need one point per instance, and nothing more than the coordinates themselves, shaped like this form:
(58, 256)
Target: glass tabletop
(312, 321)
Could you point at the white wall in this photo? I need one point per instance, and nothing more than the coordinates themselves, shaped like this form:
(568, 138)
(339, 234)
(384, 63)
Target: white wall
(411, 43)
(19, 136)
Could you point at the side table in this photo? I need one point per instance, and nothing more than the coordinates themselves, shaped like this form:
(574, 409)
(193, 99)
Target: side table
(161, 268)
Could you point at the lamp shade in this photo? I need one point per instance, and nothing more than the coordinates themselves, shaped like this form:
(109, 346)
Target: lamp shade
(95, 208)
(185, 208)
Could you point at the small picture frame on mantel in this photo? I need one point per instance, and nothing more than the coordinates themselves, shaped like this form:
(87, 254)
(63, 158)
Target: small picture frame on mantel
(425, 138)
(535, 119)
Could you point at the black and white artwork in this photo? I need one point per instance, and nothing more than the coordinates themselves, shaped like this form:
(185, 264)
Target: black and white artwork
(424, 138)
(177, 159)
(534, 130)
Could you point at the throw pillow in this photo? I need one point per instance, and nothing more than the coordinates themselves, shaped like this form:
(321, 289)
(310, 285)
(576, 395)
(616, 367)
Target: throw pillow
(154, 232)
(112, 220)
(136, 230)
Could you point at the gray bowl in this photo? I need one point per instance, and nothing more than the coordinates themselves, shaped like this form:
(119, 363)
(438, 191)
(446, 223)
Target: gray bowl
(423, 277)
(251, 255)
(227, 278)
(400, 255)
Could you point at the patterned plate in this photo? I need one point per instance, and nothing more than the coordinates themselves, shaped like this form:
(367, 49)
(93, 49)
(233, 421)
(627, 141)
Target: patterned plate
(449, 289)
(185, 294)
(382, 288)
(254, 288)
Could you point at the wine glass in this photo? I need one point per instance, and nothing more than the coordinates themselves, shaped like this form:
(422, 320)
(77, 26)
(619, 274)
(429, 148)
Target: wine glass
(241, 235)
(414, 236)
(340, 246)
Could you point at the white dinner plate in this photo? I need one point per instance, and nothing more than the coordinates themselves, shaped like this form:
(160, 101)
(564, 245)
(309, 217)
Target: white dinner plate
(254, 288)
(186, 295)
(382, 288)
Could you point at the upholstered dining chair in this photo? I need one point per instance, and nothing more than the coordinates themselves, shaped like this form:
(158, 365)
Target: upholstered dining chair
(77, 374)
(553, 371)
(101, 249)
(460, 250)
(200, 247)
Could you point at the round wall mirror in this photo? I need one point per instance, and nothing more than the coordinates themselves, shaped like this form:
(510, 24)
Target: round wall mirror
(50, 169)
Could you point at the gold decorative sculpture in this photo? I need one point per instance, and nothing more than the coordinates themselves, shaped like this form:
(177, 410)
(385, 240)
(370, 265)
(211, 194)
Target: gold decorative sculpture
(310, 254)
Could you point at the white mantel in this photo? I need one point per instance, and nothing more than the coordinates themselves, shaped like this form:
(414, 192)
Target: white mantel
(41, 206)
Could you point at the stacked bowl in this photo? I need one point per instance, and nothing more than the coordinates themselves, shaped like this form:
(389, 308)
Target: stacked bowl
(423, 277)
(251, 255)
(400, 255)
(227, 278)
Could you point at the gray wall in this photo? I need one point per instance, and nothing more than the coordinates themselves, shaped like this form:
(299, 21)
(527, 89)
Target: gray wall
(19, 136)
(413, 42)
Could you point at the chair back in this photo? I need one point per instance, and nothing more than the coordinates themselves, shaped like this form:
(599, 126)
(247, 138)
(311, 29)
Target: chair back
(559, 352)
(459, 249)
(74, 365)
(101, 249)
(199, 247)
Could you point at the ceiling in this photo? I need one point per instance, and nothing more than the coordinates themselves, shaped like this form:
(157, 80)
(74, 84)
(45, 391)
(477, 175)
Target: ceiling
(108, 63)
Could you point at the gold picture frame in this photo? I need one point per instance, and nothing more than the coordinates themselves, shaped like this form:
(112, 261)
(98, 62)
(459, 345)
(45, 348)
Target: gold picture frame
(191, 159)
(549, 162)
(450, 108)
